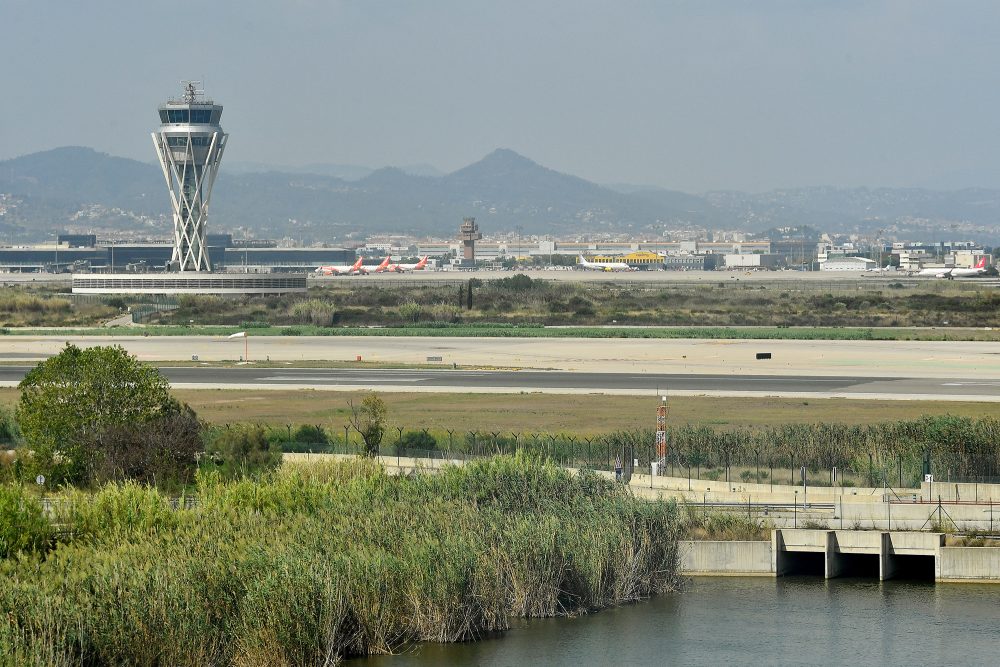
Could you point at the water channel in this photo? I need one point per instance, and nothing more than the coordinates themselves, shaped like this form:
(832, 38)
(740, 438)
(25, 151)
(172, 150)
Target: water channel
(745, 621)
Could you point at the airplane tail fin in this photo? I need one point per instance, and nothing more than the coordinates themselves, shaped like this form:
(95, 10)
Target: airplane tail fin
(981, 264)
(357, 264)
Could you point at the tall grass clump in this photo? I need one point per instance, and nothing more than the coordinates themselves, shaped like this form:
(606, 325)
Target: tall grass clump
(723, 526)
(23, 526)
(309, 564)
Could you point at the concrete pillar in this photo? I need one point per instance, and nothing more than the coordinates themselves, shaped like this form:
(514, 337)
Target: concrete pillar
(886, 559)
(937, 557)
(779, 557)
(832, 562)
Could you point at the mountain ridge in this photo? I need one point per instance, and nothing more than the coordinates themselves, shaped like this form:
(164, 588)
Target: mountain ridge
(47, 190)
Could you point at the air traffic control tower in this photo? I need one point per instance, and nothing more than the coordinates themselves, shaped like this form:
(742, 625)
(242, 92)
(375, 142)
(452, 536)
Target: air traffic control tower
(189, 144)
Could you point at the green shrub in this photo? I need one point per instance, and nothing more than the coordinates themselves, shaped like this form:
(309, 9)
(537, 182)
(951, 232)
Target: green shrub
(313, 311)
(411, 311)
(23, 526)
(243, 451)
(416, 440)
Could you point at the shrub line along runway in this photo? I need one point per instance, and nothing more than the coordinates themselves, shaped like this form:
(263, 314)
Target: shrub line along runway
(926, 370)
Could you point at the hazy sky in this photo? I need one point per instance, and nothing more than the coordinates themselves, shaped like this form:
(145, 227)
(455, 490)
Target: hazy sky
(687, 95)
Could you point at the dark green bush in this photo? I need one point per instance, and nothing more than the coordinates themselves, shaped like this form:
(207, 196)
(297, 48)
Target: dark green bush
(417, 440)
(243, 451)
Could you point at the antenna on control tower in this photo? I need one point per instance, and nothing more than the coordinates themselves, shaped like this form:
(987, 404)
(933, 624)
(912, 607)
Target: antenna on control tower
(191, 91)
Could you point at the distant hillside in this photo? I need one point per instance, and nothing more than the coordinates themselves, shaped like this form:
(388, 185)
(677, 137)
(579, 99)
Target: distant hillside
(82, 188)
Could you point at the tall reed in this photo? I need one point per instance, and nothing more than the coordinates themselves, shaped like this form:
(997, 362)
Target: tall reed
(314, 563)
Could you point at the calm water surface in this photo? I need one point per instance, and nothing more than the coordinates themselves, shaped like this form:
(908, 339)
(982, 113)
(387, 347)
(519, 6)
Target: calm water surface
(760, 621)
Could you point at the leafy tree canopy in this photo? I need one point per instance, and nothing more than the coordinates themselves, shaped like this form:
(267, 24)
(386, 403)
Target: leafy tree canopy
(66, 401)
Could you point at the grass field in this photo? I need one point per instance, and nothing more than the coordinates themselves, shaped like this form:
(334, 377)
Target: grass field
(550, 413)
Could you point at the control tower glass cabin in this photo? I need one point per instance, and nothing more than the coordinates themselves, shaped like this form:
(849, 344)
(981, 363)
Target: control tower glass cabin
(189, 145)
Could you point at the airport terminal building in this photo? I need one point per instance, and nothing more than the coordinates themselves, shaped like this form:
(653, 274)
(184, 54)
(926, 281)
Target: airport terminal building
(83, 253)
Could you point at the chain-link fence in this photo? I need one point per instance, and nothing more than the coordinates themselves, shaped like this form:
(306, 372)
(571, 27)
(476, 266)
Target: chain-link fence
(898, 454)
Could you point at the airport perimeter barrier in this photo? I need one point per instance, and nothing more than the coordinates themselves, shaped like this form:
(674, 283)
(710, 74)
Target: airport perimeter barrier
(602, 453)
(893, 454)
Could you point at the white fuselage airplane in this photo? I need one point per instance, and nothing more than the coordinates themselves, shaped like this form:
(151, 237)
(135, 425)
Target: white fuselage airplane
(978, 270)
(403, 268)
(340, 270)
(378, 269)
(603, 266)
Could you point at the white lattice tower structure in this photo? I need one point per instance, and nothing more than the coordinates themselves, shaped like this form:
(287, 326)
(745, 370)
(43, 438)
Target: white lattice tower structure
(189, 145)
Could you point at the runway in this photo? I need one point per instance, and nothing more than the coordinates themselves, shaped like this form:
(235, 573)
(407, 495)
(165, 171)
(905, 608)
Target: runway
(409, 380)
(979, 361)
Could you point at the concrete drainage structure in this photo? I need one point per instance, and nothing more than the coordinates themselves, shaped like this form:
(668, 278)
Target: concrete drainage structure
(841, 553)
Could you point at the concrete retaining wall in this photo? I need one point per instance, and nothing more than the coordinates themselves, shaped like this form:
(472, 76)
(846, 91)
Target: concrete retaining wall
(981, 493)
(969, 564)
(726, 558)
(722, 490)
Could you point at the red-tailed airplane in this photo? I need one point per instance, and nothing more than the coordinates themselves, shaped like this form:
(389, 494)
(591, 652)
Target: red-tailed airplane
(340, 270)
(978, 270)
(378, 269)
(403, 268)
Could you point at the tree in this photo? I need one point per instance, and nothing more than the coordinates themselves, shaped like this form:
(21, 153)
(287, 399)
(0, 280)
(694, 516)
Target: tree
(163, 451)
(69, 400)
(369, 420)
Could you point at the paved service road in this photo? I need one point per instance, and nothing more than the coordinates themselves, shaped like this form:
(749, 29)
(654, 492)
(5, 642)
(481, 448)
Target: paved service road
(569, 382)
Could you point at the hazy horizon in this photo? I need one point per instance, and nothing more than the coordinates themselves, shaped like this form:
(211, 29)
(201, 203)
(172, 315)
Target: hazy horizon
(689, 96)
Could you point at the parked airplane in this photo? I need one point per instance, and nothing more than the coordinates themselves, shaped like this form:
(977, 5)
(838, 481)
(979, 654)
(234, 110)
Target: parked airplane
(378, 269)
(340, 270)
(978, 270)
(603, 266)
(403, 268)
